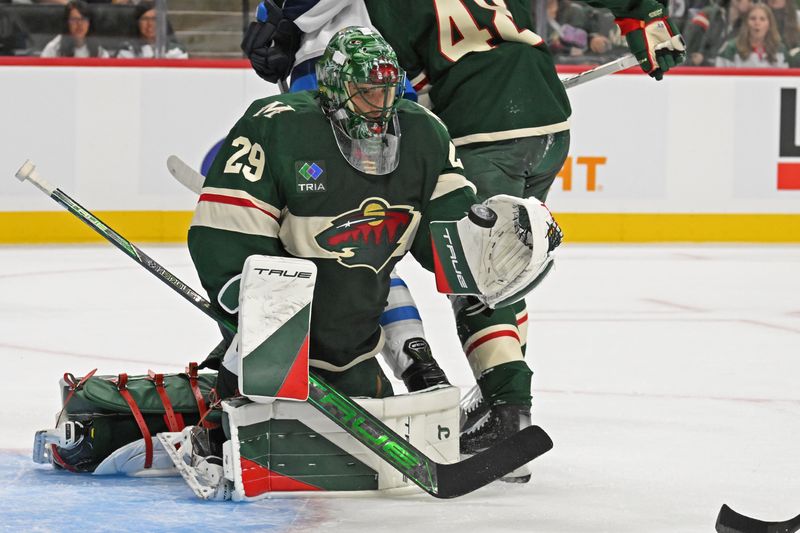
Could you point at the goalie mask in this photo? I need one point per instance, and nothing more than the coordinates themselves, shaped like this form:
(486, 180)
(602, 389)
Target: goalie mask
(360, 86)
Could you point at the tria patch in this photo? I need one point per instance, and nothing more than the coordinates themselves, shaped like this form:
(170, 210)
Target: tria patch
(310, 176)
(370, 235)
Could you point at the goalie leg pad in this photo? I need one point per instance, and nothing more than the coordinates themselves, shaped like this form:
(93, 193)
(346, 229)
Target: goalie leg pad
(289, 447)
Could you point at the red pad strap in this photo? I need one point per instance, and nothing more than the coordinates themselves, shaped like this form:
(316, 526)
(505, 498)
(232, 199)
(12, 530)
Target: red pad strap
(121, 382)
(173, 424)
(191, 371)
(61, 462)
(73, 386)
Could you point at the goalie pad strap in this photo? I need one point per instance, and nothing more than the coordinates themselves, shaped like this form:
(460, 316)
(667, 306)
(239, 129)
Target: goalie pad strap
(73, 386)
(121, 383)
(61, 462)
(191, 372)
(174, 422)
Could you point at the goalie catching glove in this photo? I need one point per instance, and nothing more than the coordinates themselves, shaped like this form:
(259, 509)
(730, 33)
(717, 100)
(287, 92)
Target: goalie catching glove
(499, 252)
(653, 38)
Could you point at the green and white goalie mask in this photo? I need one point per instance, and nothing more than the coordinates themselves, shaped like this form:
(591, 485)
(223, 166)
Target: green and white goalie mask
(360, 86)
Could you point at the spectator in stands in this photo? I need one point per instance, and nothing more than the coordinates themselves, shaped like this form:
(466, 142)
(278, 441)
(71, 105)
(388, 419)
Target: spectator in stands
(145, 45)
(76, 41)
(12, 35)
(758, 43)
(565, 23)
(606, 41)
(785, 12)
(710, 27)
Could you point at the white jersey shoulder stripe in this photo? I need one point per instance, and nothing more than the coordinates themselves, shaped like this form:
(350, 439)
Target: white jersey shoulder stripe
(236, 213)
(450, 182)
(511, 134)
(237, 197)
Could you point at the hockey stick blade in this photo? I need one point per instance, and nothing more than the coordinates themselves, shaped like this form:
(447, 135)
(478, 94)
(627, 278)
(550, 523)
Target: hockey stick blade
(186, 175)
(470, 474)
(355, 420)
(729, 521)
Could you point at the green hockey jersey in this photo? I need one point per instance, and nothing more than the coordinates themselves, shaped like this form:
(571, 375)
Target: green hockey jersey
(280, 186)
(489, 76)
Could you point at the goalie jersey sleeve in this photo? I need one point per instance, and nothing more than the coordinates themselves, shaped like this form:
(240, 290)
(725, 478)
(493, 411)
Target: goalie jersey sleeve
(238, 211)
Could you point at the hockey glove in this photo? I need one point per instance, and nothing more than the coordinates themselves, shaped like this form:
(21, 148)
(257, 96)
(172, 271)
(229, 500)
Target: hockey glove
(653, 38)
(499, 253)
(271, 43)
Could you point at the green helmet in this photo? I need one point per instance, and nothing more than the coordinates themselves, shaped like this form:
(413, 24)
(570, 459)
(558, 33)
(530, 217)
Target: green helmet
(360, 86)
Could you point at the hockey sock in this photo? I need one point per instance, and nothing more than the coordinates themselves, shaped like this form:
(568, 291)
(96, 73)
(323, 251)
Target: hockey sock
(400, 321)
(509, 383)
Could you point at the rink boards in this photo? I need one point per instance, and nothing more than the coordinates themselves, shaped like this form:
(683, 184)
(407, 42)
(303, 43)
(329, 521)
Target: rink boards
(694, 158)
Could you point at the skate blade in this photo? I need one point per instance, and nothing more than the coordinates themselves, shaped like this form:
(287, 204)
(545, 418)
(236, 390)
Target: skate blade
(520, 475)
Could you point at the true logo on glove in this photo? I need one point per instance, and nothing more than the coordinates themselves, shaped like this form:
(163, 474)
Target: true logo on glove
(454, 260)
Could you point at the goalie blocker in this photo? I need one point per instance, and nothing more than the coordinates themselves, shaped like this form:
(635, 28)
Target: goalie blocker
(498, 253)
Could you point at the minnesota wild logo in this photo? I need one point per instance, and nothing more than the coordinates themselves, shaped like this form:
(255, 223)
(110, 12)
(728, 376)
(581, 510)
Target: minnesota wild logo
(370, 235)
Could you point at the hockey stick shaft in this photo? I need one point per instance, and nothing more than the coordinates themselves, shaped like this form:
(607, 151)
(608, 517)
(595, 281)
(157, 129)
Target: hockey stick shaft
(356, 421)
(28, 172)
(625, 62)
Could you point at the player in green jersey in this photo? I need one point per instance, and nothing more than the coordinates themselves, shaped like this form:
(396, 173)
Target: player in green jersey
(493, 82)
(491, 79)
(327, 177)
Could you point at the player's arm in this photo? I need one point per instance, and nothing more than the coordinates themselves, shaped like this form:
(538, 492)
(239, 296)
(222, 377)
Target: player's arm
(237, 214)
(652, 36)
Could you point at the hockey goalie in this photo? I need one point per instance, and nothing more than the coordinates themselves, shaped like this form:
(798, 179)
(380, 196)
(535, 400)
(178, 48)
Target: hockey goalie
(312, 200)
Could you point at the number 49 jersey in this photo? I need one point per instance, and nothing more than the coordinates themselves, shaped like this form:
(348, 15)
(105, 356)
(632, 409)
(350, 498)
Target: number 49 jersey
(491, 77)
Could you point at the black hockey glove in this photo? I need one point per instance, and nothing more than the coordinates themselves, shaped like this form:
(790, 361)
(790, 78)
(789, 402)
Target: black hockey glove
(271, 43)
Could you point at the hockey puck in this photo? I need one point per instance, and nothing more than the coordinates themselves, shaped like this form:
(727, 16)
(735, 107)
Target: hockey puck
(482, 216)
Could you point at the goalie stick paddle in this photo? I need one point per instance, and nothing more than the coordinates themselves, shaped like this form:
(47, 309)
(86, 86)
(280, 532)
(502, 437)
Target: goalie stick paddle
(729, 521)
(437, 479)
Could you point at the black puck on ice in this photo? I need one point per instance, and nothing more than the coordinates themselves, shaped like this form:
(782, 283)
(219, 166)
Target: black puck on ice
(482, 216)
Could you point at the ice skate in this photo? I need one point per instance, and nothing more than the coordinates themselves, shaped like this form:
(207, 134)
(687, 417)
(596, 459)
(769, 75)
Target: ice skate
(502, 422)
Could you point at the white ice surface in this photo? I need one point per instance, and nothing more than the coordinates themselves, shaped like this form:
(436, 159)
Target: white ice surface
(668, 377)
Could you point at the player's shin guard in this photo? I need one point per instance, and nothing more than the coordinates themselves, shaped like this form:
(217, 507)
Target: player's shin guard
(491, 340)
(501, 405)
(406, 351)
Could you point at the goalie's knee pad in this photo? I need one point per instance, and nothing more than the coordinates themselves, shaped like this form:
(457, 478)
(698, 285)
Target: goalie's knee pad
(108, 423)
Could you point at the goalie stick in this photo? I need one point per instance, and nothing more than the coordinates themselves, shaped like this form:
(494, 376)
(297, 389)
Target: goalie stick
(729, 521)
(437, 479)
